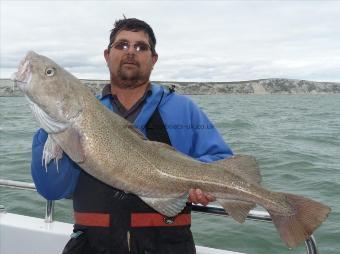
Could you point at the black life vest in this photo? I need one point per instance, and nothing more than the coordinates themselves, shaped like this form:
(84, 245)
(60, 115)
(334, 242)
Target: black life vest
(93, 196)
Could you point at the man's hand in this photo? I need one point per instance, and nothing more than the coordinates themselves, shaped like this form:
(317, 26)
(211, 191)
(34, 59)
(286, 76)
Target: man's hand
(197, 196)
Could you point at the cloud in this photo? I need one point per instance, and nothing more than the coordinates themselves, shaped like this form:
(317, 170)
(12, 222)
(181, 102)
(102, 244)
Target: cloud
(197, 41)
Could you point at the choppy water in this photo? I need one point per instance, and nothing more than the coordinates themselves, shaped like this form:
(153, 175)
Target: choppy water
(296, 140)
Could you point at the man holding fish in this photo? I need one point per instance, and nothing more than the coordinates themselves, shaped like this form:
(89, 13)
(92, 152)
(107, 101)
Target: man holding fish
(109, 220)
(131, 183)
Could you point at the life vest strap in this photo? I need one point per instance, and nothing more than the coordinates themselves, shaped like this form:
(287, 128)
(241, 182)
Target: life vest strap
(92, 219)
(159, 220)
(137, 220)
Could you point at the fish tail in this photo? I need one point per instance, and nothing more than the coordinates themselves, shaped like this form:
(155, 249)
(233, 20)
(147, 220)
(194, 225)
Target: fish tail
(297, 227)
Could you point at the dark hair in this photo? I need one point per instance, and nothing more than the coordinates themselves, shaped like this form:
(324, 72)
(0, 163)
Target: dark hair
(135, 25)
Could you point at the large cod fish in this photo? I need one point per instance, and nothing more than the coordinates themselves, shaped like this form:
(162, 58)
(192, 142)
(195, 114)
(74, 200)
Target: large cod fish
(109, 148)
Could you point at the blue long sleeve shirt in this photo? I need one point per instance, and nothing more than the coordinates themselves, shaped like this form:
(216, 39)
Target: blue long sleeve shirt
(189, 129)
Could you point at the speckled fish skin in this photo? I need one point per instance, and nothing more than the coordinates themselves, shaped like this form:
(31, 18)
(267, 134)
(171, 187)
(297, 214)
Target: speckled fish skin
(109, 148)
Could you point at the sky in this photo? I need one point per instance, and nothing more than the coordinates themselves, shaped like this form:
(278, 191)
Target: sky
(196, 40)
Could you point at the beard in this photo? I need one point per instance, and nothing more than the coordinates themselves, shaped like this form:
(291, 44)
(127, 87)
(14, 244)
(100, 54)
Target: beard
(129, 78)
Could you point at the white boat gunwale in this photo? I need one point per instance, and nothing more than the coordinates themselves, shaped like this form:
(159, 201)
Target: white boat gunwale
(31, 228)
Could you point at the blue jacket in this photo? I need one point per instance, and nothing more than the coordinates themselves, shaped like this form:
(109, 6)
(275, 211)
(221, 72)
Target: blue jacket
(189, 130)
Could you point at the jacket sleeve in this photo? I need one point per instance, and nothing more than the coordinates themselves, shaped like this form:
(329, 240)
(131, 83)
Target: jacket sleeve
(207, 143)
(52, 183)
(191, 132)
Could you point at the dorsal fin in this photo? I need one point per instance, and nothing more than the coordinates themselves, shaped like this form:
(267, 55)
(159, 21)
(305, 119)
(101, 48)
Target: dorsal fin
(244, 166)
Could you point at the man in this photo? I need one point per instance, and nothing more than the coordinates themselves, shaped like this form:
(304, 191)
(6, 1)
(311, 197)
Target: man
(107, 220)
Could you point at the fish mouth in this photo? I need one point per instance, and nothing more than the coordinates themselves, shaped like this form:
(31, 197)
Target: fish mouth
(23, 76)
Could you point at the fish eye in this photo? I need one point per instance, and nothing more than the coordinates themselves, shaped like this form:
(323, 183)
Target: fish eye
(49, 71)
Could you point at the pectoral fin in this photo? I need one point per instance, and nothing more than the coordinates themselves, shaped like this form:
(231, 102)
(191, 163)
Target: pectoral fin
(70, 141)
(167, 206)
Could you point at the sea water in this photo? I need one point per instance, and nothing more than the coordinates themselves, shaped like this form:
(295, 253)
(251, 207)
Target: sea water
(295, 138)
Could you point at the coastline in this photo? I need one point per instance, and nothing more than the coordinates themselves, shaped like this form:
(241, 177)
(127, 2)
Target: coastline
(251, 87)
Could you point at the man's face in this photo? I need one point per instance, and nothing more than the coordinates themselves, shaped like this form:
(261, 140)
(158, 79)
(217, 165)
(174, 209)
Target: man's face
(130, 68)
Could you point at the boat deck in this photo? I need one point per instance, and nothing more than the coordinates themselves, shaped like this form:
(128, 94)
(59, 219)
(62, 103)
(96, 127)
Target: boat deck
(29, 235)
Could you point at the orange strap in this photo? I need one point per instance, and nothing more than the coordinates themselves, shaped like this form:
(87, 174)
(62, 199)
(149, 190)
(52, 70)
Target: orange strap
(137, 220)
(158, 220)
(92, 219)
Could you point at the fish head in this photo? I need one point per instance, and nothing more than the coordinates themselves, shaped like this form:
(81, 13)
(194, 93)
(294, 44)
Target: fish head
(53, 93)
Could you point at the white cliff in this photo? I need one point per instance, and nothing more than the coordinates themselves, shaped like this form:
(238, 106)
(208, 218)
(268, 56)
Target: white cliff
(261, 86)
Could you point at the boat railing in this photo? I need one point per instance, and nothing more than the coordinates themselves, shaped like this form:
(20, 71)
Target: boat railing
(263, 216)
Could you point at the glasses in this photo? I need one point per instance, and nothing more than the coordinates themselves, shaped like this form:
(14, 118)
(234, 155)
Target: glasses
(124, 46)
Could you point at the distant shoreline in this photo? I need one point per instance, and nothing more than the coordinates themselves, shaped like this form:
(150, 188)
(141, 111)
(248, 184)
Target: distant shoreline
(260, 86)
